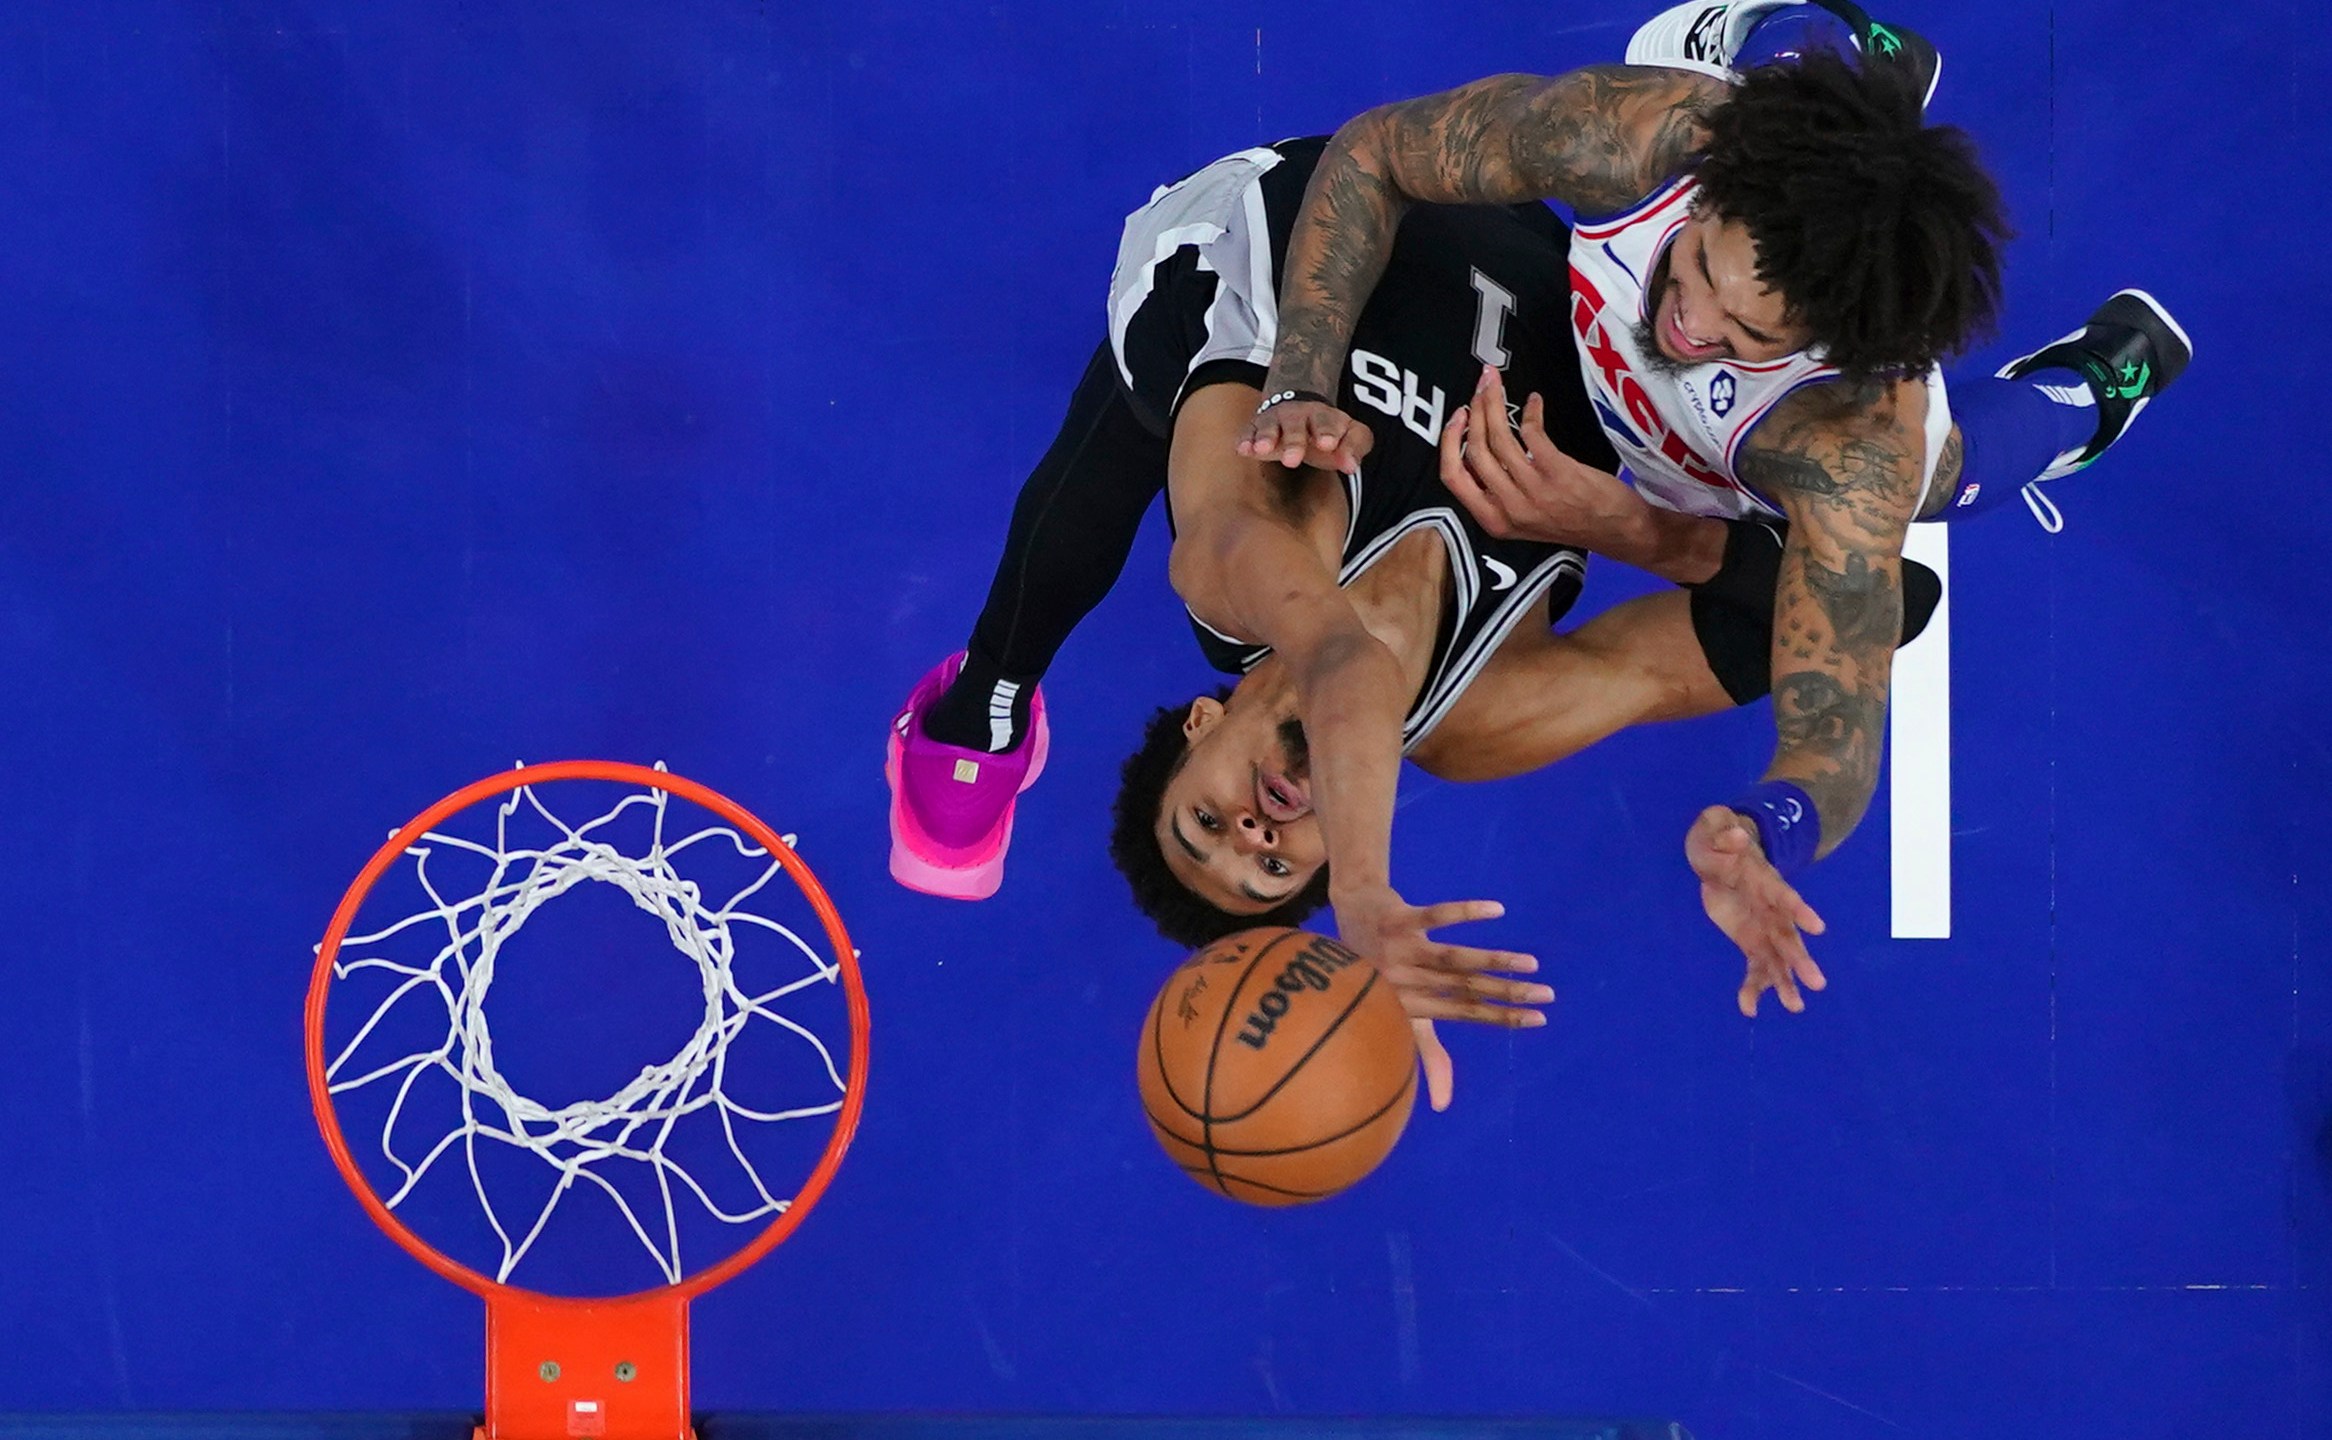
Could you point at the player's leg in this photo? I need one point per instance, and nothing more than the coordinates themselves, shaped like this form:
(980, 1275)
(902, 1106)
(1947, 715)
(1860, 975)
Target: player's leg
(969, 740)
(2056, 410)
(1545, 696)
(971, 735)
(1732, 610)
(1729, 36)
(1072, 529)
(1666, 656)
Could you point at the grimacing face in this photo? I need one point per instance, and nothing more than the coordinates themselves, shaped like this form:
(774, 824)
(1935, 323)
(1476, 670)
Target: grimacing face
(1235, 822)
(1707, 303)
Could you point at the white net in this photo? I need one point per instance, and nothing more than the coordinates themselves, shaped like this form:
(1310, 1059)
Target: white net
(451, 970)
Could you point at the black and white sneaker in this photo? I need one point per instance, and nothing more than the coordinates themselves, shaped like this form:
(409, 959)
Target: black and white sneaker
(1715, 37)
(2128, 353)
(1893, 44)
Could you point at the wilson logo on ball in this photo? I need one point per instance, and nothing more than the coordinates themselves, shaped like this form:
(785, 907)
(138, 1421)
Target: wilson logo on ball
(1309, 971)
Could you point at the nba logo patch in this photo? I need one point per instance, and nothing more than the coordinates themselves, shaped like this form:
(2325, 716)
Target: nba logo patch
(1968, 496)
(1721, 392)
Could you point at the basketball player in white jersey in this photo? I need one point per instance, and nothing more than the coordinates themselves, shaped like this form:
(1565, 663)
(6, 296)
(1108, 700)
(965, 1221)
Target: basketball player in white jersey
(1766, 276)
(1367, 616)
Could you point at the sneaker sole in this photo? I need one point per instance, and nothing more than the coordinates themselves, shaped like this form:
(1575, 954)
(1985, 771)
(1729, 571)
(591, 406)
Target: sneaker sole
(2162, 313)
(916, 867)
(2153, 306)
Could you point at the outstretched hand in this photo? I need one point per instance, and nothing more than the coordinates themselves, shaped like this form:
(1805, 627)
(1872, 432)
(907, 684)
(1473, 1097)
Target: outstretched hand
(1437, 980)
(1307, 432)
(1755, 907)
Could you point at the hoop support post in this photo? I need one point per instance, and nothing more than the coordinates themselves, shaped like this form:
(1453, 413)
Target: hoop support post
(614, 1369)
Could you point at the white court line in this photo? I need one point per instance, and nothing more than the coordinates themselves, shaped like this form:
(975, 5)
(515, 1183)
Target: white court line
(1919, 736)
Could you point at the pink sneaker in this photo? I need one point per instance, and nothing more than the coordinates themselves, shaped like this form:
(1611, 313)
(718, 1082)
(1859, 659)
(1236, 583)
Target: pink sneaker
(951, 808)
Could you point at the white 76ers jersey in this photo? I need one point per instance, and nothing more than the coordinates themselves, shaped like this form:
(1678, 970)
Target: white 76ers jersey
(1679, 431)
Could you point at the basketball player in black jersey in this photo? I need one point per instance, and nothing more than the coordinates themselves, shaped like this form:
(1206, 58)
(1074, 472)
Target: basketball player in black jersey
(1439, 642)
(986, 725)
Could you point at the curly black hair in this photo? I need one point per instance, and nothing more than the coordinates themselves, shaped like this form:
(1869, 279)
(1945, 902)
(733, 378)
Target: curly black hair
(1180, 915)
(1881, 232)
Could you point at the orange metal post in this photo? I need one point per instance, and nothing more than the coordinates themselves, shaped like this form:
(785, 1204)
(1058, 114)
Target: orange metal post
(613, 1369)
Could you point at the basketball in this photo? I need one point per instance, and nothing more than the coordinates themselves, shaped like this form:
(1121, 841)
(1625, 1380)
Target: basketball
(1277, 1067)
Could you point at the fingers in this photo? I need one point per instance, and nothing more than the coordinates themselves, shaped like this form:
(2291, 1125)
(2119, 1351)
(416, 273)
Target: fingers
(1454, 472)
(1478, 974)
(1781, 964)
(1784, 900)
(1809, 974)
(1765, 974)
(1496, 429)
(1444, 1007)
(1261, 437)
(1473, 474)
(1466, 960)
(1785, 988)
(1808, 921)
(1270, 434)
(1423, 990)
(1474, 985)
(1458, 478)
(1440, 1075)
(1458, 912)
(1298, 433)
(1294, 443)
(1534, 425)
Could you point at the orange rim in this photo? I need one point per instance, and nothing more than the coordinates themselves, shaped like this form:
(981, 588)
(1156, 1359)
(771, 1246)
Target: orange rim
(854, 987)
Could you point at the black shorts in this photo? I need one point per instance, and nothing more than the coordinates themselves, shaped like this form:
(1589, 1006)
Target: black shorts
(1732, 610)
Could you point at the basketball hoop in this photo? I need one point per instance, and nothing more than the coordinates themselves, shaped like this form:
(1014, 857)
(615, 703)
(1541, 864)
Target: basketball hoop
(560, 1366)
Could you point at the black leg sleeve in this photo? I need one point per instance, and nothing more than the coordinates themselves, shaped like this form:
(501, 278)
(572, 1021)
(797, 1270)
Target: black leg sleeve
(1072, 528)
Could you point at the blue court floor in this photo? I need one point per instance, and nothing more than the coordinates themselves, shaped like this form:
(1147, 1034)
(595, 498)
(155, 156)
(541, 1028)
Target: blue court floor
(389, 393)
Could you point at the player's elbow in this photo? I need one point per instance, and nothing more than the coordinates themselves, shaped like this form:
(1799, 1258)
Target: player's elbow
(1365, 139)
(1365, 159)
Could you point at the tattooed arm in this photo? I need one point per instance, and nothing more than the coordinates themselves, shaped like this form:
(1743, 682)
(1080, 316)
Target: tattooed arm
(1846, 469)
(1597, 139)
(1845, 466)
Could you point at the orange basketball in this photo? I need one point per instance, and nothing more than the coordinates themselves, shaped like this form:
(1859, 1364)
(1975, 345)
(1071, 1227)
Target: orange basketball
(1277, 1067)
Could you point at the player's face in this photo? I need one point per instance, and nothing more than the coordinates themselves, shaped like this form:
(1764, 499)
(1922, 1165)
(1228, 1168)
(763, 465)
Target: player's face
(1235, 822)
(1711, 306)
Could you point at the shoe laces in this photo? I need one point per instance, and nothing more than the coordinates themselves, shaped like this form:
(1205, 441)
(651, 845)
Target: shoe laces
(2043, 508)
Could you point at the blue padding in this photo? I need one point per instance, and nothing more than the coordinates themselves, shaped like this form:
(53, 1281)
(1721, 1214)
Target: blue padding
(1053, 1427)
(232, 1426)
(447, 1426)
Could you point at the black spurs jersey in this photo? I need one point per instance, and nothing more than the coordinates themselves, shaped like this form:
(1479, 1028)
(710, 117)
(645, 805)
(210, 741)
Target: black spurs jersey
(1466, 286)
